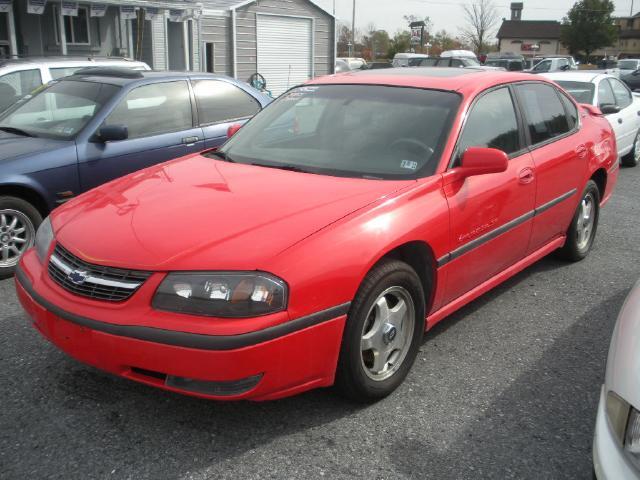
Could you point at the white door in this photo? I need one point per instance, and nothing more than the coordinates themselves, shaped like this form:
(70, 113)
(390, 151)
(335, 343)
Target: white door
(284, 51)
(606, 97)
(628, 111)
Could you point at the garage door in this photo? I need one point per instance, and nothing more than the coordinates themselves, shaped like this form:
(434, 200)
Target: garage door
(284, 51)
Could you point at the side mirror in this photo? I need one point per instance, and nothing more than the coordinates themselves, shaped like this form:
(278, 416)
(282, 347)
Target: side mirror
(609, 108)
(233, 129)
(635, 72)
(481, 161)
(113, 133)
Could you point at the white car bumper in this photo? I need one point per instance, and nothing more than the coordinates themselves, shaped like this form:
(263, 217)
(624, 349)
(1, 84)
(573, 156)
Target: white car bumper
(609, 461)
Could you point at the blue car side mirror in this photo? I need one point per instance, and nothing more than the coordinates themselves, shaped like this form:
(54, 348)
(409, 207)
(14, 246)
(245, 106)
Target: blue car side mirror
(113, 133)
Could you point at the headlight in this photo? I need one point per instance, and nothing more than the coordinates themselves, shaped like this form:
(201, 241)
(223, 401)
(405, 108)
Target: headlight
(625, 424)
(44, 237)
(221, 294)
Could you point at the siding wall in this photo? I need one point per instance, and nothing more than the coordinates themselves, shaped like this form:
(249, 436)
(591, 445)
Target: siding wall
(217, 29)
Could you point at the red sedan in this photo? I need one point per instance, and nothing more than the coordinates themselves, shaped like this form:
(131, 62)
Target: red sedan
(322, 240)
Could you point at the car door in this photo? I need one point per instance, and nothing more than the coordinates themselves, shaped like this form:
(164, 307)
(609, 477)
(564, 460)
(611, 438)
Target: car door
(560, 158)
(628, 115)
(616, 120)
(490, 214)
(160, 121)
(220, 105)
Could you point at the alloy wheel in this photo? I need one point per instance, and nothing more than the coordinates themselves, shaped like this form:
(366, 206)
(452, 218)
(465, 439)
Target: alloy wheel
(586, 220)
(387, 333)
(17, 234)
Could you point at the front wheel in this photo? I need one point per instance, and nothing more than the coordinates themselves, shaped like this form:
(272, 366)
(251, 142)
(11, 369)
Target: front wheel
(582, 231)
(18, 223)
(383, 332)
(632, 158)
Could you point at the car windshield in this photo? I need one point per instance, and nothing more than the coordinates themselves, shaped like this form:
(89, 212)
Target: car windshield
(349, 130)
(582, 92)
(628, 64)
(58, 111)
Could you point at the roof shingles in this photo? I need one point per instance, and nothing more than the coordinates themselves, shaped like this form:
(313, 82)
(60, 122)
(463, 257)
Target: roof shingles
(538, 29)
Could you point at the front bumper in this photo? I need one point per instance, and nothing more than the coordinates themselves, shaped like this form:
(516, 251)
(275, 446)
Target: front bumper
(609, 461)
(271, 363)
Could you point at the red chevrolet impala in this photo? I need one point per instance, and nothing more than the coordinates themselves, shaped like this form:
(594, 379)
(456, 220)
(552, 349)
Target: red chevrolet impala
(322, 240)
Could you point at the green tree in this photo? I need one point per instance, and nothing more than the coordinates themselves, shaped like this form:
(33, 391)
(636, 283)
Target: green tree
(588, 26)
(400, 43)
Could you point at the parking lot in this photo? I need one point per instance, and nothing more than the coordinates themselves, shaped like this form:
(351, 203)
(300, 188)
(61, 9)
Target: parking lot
(505, 388)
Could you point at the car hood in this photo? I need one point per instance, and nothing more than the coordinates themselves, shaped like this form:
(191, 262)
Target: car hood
(18, 146)
(623, 364)
(197, 213)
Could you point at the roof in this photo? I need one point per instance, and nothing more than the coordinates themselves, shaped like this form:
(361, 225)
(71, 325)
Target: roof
(235, 4)
(538, 29)
(140, 76)
(464, 80)
(583, 76)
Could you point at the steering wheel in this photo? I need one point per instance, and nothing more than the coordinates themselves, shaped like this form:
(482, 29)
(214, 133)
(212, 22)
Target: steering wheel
(412, 143)
(257, 81)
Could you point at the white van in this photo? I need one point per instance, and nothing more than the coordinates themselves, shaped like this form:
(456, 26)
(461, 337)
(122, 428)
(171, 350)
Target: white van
(408, 59)
(21, 76)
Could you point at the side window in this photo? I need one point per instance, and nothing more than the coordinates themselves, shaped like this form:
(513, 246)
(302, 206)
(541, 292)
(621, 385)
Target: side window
(154, 109)
(563, 64)
(16, 85)
(543, 66)
(546, 117)
(221, 101)
(571, 109)
(492, 123)
(61, 72)
(444, 62)
(457, 63)
(621, 93)
(605, 94)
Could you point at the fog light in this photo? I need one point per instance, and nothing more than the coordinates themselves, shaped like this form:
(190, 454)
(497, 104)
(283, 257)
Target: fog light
(222, 389)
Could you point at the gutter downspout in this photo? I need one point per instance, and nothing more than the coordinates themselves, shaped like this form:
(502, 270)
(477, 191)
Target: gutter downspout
(234, 39)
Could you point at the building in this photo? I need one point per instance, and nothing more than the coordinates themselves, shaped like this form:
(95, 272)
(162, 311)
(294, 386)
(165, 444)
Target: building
(286, 41)
(529, 37)
(628, 44)
(161, 33)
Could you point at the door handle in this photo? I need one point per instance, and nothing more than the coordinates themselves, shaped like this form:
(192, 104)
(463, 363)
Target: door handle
(190, 140)
(620, 120)
(526, 176)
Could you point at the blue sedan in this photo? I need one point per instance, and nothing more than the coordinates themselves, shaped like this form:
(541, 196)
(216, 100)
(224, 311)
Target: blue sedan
(99, 124)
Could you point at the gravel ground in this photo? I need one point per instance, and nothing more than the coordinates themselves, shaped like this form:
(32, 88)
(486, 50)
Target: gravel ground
(505, 388)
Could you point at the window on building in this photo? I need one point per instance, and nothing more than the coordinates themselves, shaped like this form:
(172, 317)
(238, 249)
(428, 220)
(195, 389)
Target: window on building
(76, 29)
(222, 101)
(492, 123)
(209, 57)
(4, 27)
(516, 41)
(546, 116)
(144, 110)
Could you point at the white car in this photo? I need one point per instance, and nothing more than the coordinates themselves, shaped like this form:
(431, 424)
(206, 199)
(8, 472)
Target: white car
(408, 59)
(628, 65)
(619, 105)
(616, 442)
(21, 76)
(554, 64)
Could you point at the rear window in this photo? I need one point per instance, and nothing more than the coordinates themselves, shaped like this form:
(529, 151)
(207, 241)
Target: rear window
(628, 64)
(582, 92)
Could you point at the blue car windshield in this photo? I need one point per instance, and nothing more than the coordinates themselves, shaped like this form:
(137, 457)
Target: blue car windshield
(365, 131)
(59, 110)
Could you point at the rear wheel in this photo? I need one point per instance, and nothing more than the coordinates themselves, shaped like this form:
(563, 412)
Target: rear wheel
(18, 223)
(383, 332)
(584, 225)
(632, 158)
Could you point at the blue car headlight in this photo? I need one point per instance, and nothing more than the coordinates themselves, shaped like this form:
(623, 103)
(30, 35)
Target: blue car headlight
(221, 294)
(44, 238)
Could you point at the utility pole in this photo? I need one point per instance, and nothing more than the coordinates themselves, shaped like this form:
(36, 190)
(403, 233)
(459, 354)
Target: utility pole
(353, 30)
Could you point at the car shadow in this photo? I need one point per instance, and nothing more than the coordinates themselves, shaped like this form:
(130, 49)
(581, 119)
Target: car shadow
(541, 425)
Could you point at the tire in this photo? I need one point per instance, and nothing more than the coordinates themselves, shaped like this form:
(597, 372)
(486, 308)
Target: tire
(363, 375)
(579, 241)
(632, 158)
(19, 221)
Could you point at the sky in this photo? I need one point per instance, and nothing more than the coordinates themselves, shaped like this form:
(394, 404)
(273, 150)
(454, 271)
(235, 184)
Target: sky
(387, 14)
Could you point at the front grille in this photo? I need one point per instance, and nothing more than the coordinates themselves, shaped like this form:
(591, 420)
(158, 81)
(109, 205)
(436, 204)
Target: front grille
(93, 281)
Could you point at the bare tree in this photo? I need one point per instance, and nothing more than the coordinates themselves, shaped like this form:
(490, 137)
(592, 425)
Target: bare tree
(481, 18)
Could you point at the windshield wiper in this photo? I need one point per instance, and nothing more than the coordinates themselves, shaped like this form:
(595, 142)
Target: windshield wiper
(290, 168)
(17, 131)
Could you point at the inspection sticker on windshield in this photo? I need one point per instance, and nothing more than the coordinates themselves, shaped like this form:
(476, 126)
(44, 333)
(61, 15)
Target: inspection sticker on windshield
(409, 164)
